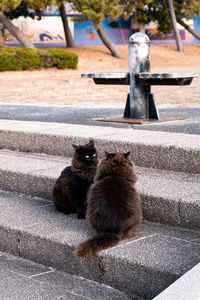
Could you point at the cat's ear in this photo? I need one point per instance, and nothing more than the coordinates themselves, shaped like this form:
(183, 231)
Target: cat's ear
(91, 143)
(75, 146)
(126, 154)
(109, 155)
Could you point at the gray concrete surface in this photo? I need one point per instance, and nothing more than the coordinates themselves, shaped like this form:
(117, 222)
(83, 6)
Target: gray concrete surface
(168, 197)
(30, 227)
(90, 115)
(161, 150)
(22, 279)
(144, 265)
(185, 288)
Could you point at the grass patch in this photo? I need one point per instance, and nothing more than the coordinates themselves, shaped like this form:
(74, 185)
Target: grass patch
(17, 59)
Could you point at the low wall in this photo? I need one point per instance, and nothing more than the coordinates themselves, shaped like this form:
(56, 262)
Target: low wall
(49, 32)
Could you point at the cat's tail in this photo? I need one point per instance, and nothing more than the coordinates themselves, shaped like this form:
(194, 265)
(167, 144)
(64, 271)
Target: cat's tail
(95, 244)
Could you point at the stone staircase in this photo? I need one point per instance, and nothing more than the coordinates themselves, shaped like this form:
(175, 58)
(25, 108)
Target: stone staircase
(167, 243)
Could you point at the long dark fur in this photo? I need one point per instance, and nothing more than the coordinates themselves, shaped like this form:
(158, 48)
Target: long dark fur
(113, 205)
(70, 190)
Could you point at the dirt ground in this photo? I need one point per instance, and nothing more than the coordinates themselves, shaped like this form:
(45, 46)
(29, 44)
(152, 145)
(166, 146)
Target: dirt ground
(65, 87)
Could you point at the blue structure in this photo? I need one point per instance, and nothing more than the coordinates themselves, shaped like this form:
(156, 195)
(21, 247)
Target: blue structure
(117, 31)
(196, 27)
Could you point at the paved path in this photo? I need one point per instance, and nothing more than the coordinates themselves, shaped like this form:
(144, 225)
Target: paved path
(89, 116)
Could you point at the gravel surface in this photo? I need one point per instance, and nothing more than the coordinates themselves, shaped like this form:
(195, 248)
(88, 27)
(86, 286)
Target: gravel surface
(65, 87)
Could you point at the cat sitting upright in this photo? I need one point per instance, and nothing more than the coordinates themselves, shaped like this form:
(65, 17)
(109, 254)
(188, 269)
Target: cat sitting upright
(113, 205)
(70, 190)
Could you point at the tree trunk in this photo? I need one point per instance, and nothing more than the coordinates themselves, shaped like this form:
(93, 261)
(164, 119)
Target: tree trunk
(16, 32)
(174, 24)
(68, 35)
(141, 27)
(113, 49)
(188, 28)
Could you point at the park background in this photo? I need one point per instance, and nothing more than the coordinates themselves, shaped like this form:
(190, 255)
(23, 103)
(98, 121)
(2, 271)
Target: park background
(65, 87)
(49, 30)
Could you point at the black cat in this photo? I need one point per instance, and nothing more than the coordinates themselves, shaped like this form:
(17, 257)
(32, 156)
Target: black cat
(70, 190)
(113, 205)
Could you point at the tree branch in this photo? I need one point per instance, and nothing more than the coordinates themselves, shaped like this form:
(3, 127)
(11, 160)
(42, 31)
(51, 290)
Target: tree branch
(188, 28)
(113, 49)
(15, 31)
(68, 35)
(174, 24)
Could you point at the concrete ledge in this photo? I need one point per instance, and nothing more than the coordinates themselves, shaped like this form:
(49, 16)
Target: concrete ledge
(161, 150)
(168, 197)
(24, 279)
(144, 265)
(186, 287)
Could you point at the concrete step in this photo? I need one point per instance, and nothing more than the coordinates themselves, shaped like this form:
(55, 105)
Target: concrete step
(168, 197)
(145, 265)
(185, 288)
(24, 279)
(161, 150)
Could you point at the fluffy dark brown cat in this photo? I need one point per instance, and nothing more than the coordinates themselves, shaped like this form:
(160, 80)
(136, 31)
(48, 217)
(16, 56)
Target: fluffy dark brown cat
(113, 205)
(70, 190)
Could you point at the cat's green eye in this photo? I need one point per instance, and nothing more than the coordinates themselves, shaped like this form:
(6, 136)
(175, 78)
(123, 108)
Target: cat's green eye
(94, 154)
(87, 156)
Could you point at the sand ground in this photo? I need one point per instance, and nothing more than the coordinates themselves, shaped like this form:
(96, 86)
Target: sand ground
(65, 87)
